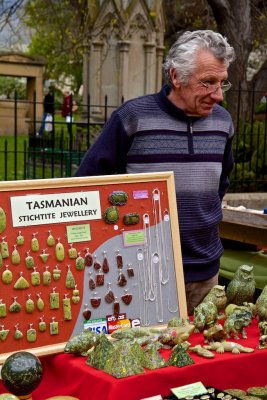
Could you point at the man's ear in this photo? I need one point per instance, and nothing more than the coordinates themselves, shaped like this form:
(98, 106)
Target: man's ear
(174, 78)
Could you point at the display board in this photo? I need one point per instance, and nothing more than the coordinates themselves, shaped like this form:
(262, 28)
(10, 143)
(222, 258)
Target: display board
(76, 250)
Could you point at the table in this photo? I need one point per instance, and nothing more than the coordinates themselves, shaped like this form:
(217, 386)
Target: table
(247, 226)
(65, 374)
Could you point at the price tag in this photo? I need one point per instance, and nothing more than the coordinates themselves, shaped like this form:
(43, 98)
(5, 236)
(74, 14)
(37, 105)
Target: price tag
(194, 389)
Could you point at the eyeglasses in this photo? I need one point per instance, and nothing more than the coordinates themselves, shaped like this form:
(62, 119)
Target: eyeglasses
(212, 88)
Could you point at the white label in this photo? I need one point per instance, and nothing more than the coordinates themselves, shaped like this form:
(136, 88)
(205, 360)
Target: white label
(55, 208)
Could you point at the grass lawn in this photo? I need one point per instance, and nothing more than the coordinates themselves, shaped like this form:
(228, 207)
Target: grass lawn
(16, 162)
(8, 162)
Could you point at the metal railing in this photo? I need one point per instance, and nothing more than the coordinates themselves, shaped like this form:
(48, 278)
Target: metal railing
(58, 153)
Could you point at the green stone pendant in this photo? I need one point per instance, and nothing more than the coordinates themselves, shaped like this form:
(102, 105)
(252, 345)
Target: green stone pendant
(3, 333)
(31, 334)
(18, 334)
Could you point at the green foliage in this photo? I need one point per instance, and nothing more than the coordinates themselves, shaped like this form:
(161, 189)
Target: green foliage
(262, 107)
(8, 87)
(58, 36)
(250, 154)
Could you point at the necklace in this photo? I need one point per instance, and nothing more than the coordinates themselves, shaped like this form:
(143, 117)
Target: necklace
(149, 270)
(160, 236)
(166, 225)
(158, 289)
(143, 296)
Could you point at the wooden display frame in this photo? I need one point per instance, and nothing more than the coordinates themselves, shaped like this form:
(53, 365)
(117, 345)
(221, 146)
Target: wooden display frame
(139, 187)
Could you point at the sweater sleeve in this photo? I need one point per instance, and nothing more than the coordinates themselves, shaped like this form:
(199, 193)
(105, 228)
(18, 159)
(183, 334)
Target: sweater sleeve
(108, 154)
(228, 163)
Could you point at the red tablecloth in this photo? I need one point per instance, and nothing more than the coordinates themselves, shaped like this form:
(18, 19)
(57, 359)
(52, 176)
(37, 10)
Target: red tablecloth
(66, 374)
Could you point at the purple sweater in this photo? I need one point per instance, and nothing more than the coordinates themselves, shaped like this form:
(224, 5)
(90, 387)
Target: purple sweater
(150, 134)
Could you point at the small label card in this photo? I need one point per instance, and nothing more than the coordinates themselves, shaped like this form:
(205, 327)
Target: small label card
(98, 325)
(78, 233)
(194, 389)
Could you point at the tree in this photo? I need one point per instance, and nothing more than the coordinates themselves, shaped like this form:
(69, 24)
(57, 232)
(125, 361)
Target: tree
(58, 32)
(61, 32)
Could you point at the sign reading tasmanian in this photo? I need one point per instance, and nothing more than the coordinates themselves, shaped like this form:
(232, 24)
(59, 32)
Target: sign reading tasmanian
(55, 208)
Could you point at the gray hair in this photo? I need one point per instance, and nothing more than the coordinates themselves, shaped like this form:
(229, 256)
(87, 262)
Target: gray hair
(182, 54)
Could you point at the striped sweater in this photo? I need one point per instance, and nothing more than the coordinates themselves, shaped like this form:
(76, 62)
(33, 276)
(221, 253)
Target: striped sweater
(150, 134)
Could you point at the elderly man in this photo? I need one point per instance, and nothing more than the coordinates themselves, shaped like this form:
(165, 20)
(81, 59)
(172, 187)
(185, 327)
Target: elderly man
(184, 129)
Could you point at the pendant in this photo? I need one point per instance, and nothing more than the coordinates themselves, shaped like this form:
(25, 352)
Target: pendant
(131, 219)
(3, 333)
(29, 261)
(70, 280)
(97, 264)
(56, 273)
(111, 215)
(2, 309)
(31, 334)
(35, 243)
(130, 271)
(4, 248)
(29, 305)
(21, 283)
(122, 281)
(2, 220)
(92, 284)
(118, 198)
(35, 277)
(99, 278)
(54, 300)
(119, 260)
(15, 257)
(72, 251)
(127, 297)
(53, 327)
(20, 239)
(88, 258)
(7, 276)
(109, 296)
(42, 324)
(95, 301)
(46, 277)
(18, 334)
(105, 265)
(67, 308)
(86, 313)
(79, 262)
(40, 303)
(44, 256)
(75, 295)
(50, 241)
(15, 307)
(116, 308)
(59, 251)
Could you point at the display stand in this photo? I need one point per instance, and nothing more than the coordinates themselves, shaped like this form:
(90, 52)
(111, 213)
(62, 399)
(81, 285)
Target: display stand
(68, 244)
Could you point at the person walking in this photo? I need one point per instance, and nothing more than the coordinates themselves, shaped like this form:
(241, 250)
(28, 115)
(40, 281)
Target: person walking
(48, 112)
(184, 129)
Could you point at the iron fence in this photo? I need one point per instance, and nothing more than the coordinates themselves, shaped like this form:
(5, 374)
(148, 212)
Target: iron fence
(57, 153)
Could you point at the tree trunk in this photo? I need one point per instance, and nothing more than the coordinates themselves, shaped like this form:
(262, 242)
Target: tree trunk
(233, 19)
(259, 82)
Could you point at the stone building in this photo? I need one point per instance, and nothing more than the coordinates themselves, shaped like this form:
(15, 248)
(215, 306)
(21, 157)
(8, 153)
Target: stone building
(125, 51)
(31, 68)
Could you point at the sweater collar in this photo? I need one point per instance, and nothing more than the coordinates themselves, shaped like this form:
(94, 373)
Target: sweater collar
(167, 106)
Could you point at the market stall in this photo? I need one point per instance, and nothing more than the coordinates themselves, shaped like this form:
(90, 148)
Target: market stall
(66, 374)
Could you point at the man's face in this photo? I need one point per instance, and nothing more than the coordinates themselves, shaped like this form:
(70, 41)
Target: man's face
(194, 98)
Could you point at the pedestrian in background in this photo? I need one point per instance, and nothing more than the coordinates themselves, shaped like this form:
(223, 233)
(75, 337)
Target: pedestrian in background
(48, 114)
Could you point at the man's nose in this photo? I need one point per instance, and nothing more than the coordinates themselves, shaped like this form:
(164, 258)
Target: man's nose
(218, 94)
